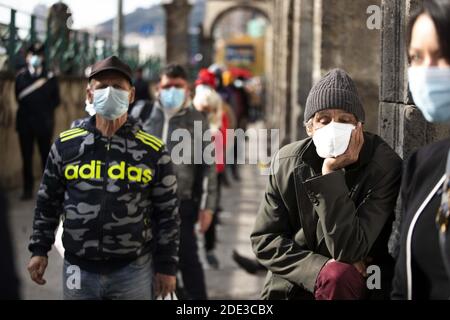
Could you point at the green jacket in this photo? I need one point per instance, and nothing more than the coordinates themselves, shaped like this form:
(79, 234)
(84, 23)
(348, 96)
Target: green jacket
(305, 218)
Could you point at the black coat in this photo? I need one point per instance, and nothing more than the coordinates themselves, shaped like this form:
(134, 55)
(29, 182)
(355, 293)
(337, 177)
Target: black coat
(36, 110)
(9, 288)
(421, 173)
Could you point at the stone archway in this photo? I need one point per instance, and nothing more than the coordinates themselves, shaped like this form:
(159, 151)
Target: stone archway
(217, 9)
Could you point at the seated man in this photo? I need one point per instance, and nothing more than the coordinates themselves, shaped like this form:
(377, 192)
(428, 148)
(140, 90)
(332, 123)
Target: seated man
(329, 203)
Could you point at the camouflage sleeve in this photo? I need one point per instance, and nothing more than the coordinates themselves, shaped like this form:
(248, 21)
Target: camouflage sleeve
(166, 219)
(49, 205)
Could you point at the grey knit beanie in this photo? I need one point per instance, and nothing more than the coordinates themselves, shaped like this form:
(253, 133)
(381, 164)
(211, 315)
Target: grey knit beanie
(336, 90)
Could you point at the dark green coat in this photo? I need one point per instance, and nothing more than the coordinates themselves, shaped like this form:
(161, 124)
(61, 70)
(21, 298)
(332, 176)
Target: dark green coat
(305, 218)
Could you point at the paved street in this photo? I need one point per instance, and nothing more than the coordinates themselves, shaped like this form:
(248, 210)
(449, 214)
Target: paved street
(240, 204)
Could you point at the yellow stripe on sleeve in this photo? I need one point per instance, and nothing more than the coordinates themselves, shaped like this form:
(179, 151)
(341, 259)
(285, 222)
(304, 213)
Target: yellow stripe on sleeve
(77, 134)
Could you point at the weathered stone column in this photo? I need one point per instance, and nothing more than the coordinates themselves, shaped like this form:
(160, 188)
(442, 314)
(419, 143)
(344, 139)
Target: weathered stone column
(347, 42)
(303, 64)
(289, 84)
(401, 124)
(118, 30)
(206, 48)
(280, 115)
(295, 62)
(272, 87)
(177, 25)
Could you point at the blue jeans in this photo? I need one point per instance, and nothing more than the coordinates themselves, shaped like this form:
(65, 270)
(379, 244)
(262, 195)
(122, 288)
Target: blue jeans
(132, 282)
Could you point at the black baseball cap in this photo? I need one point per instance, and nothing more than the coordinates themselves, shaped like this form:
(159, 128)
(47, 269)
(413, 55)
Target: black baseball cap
(112, 63)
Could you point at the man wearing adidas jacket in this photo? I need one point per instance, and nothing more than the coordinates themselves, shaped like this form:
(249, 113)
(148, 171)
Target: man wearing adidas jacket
(114, 187)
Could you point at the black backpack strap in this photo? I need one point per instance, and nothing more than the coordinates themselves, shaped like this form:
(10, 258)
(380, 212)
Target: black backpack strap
(146, 111)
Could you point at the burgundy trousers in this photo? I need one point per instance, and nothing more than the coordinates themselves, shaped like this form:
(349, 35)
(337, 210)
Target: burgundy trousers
(340, 281)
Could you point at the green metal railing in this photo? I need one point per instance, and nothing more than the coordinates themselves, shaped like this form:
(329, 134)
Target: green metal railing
(67, 51)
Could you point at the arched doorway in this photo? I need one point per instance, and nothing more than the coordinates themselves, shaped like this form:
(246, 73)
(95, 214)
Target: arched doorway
(239, 39)
(225, 19)
(217, 9)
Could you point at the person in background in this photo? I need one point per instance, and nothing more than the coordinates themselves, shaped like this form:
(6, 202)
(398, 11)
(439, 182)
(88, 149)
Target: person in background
(142, 85)
(229, 121)
(37, 94)
(255, 92)
(142, 107)
(423, 264)
(197, 181)
(206, 78)
(230, 96)
(243, 102)
(209, 102)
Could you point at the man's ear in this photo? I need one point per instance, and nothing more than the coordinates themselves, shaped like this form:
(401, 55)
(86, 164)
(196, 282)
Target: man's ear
(89, 95)
(132, 94)
(309, 129)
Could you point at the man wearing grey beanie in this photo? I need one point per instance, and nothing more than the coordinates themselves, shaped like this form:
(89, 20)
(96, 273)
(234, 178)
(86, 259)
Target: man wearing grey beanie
(323, 226)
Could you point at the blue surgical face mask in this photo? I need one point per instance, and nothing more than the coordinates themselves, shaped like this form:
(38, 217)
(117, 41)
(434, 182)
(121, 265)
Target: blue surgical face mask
(111, 103)
(172, 98)
(35, 61)
(430, 88)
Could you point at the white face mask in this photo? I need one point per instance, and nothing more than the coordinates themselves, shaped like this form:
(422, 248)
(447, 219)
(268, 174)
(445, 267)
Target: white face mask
(332, 140)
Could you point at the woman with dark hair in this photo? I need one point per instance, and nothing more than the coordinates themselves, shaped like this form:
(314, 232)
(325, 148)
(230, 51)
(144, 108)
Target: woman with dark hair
(423, 264)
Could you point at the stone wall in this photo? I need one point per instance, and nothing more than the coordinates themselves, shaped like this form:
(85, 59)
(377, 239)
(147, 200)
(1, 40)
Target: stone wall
(177, 25)
(310, 38)
(280, 86)
(73, 94)
(401, 123)
(348, 43)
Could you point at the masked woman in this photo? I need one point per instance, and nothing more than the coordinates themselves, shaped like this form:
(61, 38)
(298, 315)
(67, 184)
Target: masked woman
(209, 102)
(422, 269)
